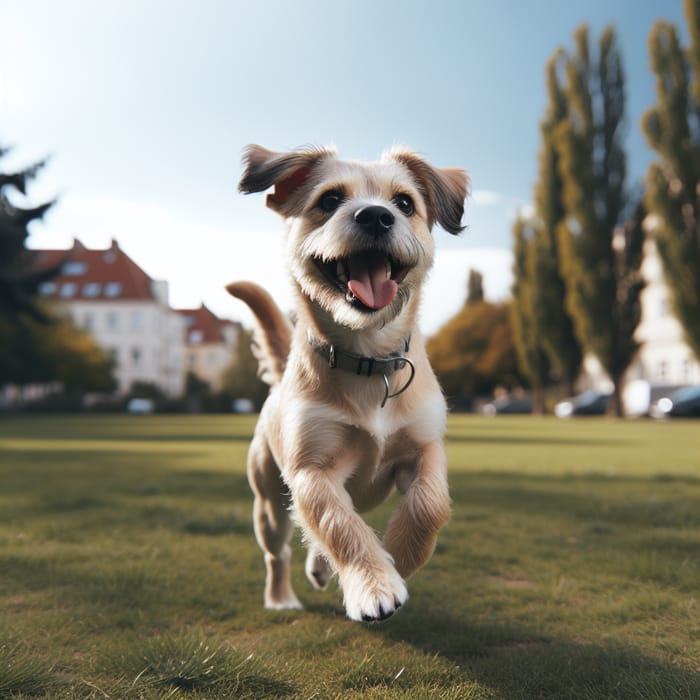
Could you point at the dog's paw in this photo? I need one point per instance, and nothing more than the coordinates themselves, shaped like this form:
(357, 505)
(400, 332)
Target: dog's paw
(318, 570)
(288, 603)
(371, 596)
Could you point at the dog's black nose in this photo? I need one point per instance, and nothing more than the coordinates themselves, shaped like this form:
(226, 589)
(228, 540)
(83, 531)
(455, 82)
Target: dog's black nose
(374, 219)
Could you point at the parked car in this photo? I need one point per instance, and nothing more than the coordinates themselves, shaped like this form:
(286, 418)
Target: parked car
(683, 403)
(507, 404)
(141, 406)
(590, 403)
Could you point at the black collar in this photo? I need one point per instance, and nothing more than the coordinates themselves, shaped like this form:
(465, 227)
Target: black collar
(361, 365)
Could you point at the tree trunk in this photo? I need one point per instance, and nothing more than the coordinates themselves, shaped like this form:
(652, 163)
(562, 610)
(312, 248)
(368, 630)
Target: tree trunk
(538, 408)
(616, 406)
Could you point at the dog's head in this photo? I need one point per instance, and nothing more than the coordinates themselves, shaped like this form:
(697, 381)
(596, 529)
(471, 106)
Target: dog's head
(360, 241)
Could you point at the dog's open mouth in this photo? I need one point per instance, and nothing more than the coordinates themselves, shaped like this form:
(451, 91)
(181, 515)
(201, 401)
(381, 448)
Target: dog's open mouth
(369, 279)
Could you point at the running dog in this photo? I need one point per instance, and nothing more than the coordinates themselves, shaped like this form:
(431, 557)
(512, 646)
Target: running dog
(354, 409)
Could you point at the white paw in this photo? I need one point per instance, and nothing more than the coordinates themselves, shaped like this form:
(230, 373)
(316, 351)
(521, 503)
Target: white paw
(286, 604)
(372, 595)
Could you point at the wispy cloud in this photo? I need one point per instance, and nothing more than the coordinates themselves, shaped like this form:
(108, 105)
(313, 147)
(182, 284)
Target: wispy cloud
(487, 198)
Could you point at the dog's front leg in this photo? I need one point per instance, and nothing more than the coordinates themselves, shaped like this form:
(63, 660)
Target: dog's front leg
(424, 508)
(372, 588)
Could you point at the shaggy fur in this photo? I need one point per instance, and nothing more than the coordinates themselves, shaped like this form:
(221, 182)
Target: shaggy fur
(331, 443)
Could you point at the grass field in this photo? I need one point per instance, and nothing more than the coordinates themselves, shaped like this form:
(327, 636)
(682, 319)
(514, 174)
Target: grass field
(570, 569)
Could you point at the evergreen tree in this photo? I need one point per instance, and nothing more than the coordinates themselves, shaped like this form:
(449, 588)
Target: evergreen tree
(19, 279)
(475, 287)
(602, 286)
(672, 128)
(527, 336)
(550, 318)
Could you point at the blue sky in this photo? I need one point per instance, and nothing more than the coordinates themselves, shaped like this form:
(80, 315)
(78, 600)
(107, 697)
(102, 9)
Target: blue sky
(145, 108)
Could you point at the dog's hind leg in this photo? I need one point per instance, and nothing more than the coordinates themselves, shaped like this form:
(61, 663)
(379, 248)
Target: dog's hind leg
(273, 526)
(424, 508)
(318, 568)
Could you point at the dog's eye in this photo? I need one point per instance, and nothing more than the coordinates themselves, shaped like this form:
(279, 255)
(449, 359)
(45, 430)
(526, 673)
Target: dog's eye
(404, 204)
(331, 200)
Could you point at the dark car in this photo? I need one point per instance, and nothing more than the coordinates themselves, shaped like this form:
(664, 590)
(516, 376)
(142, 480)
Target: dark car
(683, 403)
(590, 403)
(508, 404)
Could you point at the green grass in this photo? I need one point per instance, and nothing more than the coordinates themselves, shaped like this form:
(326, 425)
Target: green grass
(128, 569)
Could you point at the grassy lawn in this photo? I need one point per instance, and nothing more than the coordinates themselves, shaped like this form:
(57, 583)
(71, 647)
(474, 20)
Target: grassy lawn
(570, 569)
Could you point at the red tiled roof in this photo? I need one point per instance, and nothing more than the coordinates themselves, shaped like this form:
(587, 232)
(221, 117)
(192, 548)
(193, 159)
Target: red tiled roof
(94, 275)
(203, 325)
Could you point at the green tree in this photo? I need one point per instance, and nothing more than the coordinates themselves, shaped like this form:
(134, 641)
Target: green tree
(673, 183)
(45, 351)
(602, 286)
(550, 318)
(475, 287)
(241, 379)
(36, 346)
(473, 353)
(19, 278)
(532, 358)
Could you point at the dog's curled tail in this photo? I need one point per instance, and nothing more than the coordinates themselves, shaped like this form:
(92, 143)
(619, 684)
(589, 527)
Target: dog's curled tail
(272, 336)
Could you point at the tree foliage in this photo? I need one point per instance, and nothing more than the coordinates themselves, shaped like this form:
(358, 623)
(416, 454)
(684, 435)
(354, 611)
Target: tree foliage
(473, 352)
(41, 352)
(241, 379)
(19, 278)
(36, 346)
(550, 316)
(475, 287)
(527, 335)
(672, 129)
(602, 285)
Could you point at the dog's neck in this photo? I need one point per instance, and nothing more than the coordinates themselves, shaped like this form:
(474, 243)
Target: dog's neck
(382, 341)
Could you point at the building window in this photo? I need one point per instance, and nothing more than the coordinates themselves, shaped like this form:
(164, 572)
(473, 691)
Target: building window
(92, 289)
(46, 289)
(68, 289)
(113, 289)
(89, 321)
(685, 370)
(74, 268)
(662, 371)
(136, 356)
(136, 320)
(112, 321)
(196, 337)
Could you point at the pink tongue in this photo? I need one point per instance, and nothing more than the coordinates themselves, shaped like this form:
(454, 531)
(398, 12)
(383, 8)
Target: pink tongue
(370, 281)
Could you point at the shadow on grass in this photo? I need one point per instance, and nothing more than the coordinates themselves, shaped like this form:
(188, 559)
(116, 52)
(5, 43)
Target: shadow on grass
(521, 665)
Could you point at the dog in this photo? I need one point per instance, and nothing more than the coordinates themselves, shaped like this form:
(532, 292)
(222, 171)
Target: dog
(354, 410)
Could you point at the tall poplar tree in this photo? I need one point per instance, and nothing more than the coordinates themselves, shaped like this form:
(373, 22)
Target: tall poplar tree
(533, 361)
(672, 128)
(603, 283)
(550, 317)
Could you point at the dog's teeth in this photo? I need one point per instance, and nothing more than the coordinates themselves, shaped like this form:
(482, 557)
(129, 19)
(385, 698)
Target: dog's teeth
(388, 269)
(340, 272)
(350, 297)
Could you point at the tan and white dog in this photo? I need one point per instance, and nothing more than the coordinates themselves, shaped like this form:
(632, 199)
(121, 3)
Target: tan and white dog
(354, 410)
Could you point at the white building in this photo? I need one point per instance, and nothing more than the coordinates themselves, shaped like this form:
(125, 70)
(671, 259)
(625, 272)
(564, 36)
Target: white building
(127, 312)
(664, 358)
(210, 343)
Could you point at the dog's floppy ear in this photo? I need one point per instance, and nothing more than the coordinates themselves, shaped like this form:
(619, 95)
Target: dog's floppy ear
(444, 189)
(288, 172)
